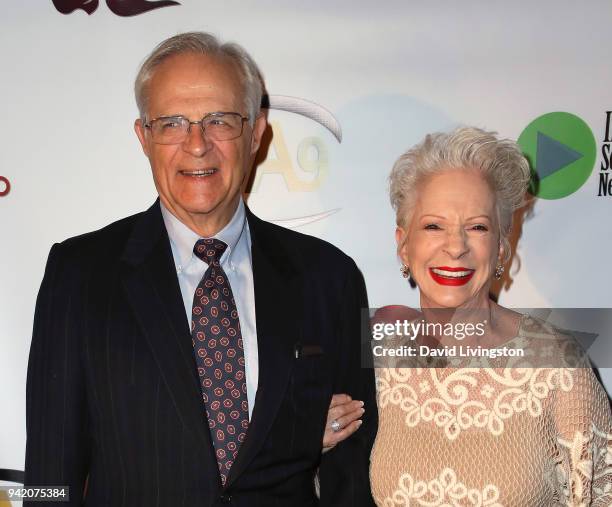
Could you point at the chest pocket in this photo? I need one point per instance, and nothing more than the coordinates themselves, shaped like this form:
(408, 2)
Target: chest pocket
(311, 379)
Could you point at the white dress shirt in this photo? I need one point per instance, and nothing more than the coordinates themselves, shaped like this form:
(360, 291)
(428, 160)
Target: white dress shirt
(237, 263)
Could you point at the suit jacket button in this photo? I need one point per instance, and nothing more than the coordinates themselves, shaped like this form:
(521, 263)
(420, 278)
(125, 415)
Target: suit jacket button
(225, 498)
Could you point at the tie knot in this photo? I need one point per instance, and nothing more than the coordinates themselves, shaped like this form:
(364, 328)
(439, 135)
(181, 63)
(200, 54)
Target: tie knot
(209, 250)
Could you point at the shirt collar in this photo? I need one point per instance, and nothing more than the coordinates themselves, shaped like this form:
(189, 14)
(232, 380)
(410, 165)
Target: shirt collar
(183, 239)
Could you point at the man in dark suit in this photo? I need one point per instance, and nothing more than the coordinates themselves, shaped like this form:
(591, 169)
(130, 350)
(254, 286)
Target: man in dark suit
(187, 355)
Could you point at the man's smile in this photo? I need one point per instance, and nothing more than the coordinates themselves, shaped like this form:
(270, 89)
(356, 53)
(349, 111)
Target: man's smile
(200, 173)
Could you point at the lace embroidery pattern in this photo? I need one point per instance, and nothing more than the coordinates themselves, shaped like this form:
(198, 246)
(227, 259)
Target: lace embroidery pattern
(443, 491)
(552, 425)
(459, 399)
(584, 454)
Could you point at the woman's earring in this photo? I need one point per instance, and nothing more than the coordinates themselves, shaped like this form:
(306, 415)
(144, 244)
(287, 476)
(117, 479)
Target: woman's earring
(499, 271)
(405, 270)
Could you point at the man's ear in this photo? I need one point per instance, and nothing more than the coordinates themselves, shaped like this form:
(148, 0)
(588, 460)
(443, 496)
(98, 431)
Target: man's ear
(140, 130)
(258, 129)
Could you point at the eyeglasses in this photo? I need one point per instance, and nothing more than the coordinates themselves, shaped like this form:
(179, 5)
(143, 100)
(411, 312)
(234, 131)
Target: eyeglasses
(219, 126)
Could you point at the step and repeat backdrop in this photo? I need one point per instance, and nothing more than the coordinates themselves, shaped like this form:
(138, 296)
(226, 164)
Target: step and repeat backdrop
(352, 85)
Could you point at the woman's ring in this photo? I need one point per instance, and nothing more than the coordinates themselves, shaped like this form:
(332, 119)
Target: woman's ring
(335, 426)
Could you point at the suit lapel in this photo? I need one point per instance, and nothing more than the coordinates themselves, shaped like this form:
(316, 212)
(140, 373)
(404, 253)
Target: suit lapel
(277, 331)
(154, 294)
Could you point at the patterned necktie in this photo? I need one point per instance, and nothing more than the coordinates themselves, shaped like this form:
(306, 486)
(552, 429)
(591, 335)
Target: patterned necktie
(219, 355)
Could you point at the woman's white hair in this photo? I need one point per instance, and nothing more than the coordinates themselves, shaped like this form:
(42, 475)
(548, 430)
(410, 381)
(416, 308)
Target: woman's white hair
(500, 160)
(205, 44)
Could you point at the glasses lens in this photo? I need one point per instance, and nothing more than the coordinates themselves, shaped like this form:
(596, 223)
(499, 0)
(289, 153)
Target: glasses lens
(223, 126)
(169, 130)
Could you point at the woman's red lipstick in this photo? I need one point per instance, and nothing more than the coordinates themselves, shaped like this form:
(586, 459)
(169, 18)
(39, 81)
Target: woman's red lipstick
(453, 277)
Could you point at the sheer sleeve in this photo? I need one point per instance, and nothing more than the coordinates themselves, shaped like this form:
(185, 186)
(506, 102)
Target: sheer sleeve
(584, 439)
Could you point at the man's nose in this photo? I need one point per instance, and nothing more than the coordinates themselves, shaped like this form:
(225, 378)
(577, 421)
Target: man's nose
(457, 243)
(197, 142)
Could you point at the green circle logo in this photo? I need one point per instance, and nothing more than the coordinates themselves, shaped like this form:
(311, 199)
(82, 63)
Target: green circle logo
(561, 150)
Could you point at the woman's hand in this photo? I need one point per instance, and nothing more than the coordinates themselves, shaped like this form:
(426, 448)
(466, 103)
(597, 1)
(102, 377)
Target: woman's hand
(343, 415)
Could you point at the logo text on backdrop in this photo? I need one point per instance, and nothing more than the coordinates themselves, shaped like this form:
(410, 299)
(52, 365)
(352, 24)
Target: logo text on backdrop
(605, 183)
(124, 8)
(312, 154)
(5, 186)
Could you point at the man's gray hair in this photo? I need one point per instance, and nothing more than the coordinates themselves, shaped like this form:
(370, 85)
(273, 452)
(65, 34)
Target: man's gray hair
(500, 160)
(205, 44)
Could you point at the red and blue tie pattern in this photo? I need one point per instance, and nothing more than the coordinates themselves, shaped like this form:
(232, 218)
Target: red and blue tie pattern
(219, 355)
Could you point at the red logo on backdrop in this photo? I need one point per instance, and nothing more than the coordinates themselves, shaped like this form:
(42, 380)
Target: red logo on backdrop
(5, 186)
(123, 8)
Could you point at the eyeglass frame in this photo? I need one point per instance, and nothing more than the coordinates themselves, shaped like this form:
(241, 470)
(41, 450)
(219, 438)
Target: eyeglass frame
(148, 125)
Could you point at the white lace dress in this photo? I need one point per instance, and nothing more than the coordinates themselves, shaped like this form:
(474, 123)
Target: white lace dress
(493, 436)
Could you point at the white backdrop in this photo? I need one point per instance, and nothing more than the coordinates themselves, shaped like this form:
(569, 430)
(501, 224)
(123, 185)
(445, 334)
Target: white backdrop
(388, 72)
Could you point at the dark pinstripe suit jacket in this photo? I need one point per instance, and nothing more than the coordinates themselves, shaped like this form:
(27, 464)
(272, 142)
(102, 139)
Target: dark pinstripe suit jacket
(113, 403)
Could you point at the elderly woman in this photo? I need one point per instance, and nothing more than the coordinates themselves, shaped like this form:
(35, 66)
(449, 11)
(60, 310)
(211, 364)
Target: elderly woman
(486, 436)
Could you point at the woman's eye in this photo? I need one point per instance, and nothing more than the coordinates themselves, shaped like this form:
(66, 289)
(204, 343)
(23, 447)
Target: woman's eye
(432, 227)
(480, 227)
